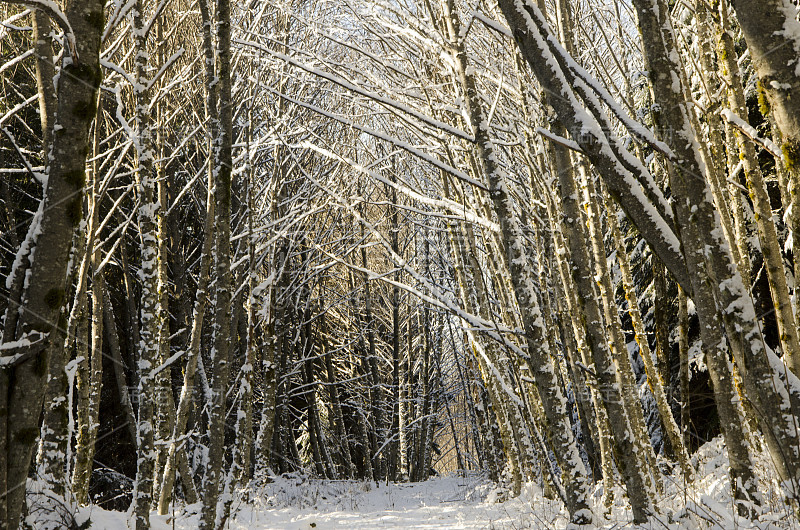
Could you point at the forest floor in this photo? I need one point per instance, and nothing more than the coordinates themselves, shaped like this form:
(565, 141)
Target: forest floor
(470, 501)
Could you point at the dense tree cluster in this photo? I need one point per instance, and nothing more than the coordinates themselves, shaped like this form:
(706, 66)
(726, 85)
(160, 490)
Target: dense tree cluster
(551, 240)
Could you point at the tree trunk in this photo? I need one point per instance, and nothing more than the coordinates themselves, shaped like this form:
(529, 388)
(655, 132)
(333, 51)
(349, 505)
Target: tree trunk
(574, 475)
(770, 29)
(23, 382)
(633, 468)
(90, 384)
(653, 376)
(209, 235)
(767, 234)
(148, 213)
(699, 231)
(223, 164)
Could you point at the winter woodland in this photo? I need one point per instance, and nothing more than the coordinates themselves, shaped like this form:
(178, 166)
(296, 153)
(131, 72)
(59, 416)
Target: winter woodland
(537, 254)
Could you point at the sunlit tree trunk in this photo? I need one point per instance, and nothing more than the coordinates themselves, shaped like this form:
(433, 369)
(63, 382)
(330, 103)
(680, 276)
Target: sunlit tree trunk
(574, 475)
(700, 228)
(90, 372)
(653, 376)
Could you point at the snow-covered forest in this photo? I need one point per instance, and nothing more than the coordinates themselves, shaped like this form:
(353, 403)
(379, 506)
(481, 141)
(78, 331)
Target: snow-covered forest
(270, 254)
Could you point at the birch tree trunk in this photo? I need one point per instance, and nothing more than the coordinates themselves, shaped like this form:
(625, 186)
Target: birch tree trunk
(164, 413)
(268, 367)
(80, 343)
(240, 466)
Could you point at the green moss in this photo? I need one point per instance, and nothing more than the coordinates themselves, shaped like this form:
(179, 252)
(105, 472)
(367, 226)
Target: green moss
(83, 110)
(76, 178)
(75, 211)
(84, 73)
(763, 104)
(40, 364)
(791, 154)
(27, 436)
(54, 298)
(96, 20)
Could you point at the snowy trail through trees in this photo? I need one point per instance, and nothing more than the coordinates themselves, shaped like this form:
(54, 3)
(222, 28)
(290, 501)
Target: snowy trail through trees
(278, 263)
(295, 502)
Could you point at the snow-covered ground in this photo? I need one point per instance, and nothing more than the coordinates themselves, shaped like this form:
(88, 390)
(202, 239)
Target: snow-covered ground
(469, 502)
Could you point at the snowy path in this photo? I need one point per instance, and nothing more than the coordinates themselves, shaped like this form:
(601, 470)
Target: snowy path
(442, 503)
(450, 502)
(295, 503)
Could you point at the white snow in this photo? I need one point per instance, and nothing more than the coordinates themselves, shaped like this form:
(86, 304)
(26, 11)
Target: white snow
(471, 501)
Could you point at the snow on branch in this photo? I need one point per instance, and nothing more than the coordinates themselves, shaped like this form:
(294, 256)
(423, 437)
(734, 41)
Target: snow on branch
(17, 352)
(750, 131)
(15, 60)
(569, 144)
(38, 177)
(52, 10)
(447, 204)
(385, 137)
(455, 131)
(492, 24)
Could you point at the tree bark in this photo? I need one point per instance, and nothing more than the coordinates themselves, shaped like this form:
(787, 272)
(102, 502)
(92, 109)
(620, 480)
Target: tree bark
(574, 475)
(22, 385)
(223, 165)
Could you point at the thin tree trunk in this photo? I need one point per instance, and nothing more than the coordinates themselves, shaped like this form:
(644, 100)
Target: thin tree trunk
(223, 164)
(54, 456)
(165, 403)
(209, 234)
(574, 475)
(112, 338)
(683, 353)
(89, 389)
(653, 377)
(338, 417)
